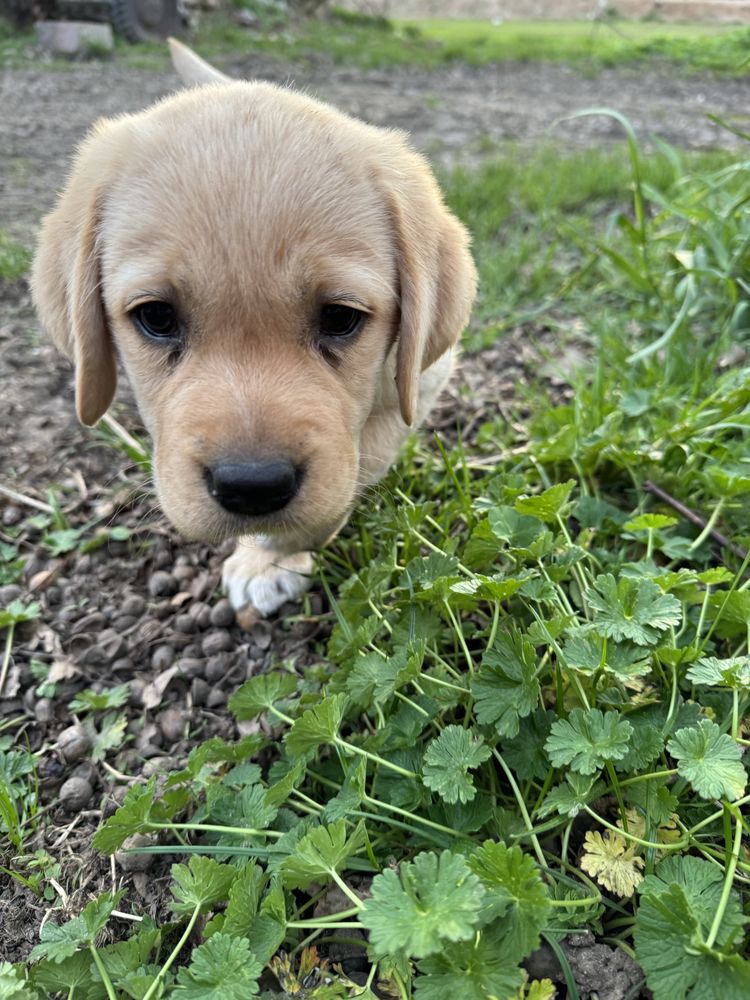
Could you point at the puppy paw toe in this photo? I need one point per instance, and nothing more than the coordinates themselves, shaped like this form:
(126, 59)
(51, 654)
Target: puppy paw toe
(281, 581)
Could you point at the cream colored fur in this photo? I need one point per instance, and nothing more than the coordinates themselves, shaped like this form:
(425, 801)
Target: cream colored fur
(247, 205)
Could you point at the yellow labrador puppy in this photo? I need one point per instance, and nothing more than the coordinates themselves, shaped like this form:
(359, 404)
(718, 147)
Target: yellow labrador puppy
(283, 286)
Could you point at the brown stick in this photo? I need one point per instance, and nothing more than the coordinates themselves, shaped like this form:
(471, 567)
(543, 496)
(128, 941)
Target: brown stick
(694, 518)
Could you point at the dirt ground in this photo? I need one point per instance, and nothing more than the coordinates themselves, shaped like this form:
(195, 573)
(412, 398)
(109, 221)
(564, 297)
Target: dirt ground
(149, 611)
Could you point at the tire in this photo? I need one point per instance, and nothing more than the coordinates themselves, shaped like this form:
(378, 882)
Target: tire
(146, 20)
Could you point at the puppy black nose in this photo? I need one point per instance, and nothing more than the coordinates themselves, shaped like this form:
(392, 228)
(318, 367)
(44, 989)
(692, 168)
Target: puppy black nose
(257, 486)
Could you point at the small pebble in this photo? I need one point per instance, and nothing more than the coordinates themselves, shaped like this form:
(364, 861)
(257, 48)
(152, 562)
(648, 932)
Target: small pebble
(186, 624)
(10, 592)
(11, 515)
(162, 657)
(159, 764)
(54, 595)
(184, 573)
(222, 614)
(113, 644)
(162, 557)
(134, 862)
(85, 769)
(199, 691)
(149, 631)
(75, 794)
(162, 610)
(124, 665)
(44, 710)
(217, 642)
(190, 666)
(124, 623)
(135, 696)
(133, 605)
(172, 722)
(217, 668)
(262, 635)
(94, 656)
(192, 651)
(119, 792)
(92, 622)
(162, 584)
(216, 697)
(201, 613)
(73, 744)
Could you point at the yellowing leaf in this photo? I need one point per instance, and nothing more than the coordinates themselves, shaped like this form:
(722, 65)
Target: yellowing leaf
(666, 833)
(611, 863)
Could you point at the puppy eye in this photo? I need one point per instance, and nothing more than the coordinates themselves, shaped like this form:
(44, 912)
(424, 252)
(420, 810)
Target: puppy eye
(157, 319)
(339, 321)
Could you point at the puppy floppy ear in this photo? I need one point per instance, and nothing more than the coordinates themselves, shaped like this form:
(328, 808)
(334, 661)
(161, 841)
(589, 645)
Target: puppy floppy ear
(66, 290)
(437, 278)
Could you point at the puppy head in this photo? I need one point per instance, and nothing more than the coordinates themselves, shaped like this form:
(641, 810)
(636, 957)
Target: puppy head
(263, 266)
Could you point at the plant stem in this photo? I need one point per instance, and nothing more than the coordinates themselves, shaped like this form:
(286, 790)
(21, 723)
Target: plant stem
(151, 991)
(377, 804)
(460, 636)
(211, 828)
(727, 888)
(102, 972)
(6, 655)
(709, 527)
(345, 889)
(524, 811)
(346, 747)
(618, 795)
(679, 845)
(648, 777)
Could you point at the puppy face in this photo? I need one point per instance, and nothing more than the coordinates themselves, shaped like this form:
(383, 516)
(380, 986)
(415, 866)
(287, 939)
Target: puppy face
(271, 274)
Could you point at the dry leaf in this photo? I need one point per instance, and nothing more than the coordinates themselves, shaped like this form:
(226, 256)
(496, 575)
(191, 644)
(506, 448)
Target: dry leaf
(154, 692)
(62, 669)
(612, 863)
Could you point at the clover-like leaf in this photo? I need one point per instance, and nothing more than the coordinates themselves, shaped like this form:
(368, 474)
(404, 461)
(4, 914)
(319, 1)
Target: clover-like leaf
(260, 694)
(549, 505)
(650, 522)
(321, 852)
(12, 986)
(515, 892)
(732, 673)
(72, 973)
(200, 884)
(571, 796)
(702, 884)
(612, 863)
(471, 970)
(224, 968)
(506, 687)
(244, 900)
(585, 651)
(319, 724)
(59, 941)
(448, 760)
(632, 608)
(433, 899)
(138, 810)
(710, 760)
(524, 754)
(587, 739)
(677, 908)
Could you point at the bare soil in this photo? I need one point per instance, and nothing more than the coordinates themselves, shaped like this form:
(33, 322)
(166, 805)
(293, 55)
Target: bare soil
(149, 611)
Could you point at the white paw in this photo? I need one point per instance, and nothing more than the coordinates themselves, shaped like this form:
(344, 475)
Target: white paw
(259, 577)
